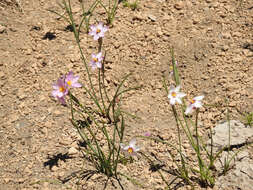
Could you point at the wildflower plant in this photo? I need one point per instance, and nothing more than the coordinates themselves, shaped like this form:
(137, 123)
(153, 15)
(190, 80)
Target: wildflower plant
(205, 158)
(247, 118)
(105, 116)
(132, 5)
(110, 9)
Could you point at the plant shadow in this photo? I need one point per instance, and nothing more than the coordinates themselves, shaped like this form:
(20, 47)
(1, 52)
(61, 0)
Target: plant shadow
(53, 160)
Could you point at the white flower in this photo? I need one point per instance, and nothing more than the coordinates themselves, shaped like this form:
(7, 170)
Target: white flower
(130, 149)
(194, 103)
(98, 31)
(96, 60)
(175, 96)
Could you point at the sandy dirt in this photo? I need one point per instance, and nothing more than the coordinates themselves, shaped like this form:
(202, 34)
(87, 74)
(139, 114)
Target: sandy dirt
(213, 44)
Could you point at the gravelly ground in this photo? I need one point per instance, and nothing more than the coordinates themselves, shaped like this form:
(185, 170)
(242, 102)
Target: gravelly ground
(213, 46)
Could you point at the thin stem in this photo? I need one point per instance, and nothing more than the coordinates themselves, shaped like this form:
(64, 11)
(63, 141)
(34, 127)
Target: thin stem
(100, 92)
(196, 128)
(69, 11)
(103, 78)
(175, 71)
(178, 130)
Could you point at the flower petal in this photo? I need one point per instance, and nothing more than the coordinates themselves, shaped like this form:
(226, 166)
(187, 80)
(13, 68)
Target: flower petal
(177, 89)
(55, 93)
(172, 101)
(181, 94)
(96, 37)
(198, 104)
(62, 100)
(178, 100)
(199, 98)
(99, 65)
(188, 109)
(76, 85)
(132, 142)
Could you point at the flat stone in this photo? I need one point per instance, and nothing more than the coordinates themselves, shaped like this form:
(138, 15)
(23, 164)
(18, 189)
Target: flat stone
(239, 134)
(138, 16)
(54, 168)
(72, 151)
(240, 176)
(152, 17)
(65, 141)
(2, 29)
(179, 5)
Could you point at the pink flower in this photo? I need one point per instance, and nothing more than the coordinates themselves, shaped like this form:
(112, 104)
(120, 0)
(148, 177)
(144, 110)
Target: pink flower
(147, 134)
(60, 88)
(194, 103)
(96, 60)
(98, 31)
(62, 100)
(71, 80)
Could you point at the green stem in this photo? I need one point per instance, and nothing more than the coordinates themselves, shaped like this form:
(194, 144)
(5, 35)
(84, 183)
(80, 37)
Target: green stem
(196, 128)
(100, 92)
(69, 11)
(178, 130)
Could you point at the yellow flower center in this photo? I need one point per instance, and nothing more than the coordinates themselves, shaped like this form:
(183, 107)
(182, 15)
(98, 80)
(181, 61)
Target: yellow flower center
(171, 68)
(130, 150)
(173, 94)
(95, 59)
(98, 31)
(192, 101)
(69, 82)
(62, 89)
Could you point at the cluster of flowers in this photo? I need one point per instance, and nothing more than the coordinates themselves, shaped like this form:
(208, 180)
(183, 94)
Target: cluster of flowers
(97, 31)
(61, 87)
(175, 96)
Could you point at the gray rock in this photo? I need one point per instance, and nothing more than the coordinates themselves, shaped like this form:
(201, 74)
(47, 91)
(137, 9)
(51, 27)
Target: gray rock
(239, 134)
(241, 174)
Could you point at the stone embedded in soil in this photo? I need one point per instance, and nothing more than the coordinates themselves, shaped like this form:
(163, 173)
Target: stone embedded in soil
(179, 5)
(2, 75)
(21, 94)
(22, 123)
(240, 176)
(138, 16)
(54, 168)
(152, 17)
(72, 151)
(2, 29)
(239, 134)
(65, 141)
